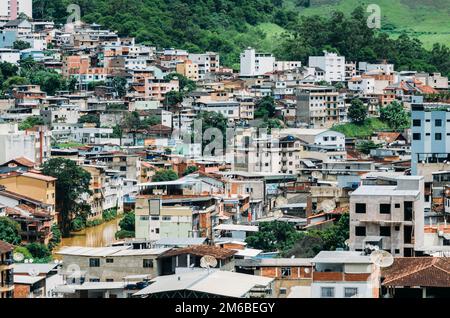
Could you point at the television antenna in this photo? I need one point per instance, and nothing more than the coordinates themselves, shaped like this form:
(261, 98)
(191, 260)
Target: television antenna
(382, 258)
(208, 262)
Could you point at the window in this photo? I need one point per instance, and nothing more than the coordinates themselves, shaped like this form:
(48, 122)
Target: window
(385, 231)
(360, 230)
(110, 280)
(327, 292)
(360, 208)
(438, 136)
(166, 218)
(350, 292)
(147, 263)
(416, 136)
(397, 205)
(283, 291)
(94, 262)
(285, 272)
(438, 122)
(385, 208)
(109, 260)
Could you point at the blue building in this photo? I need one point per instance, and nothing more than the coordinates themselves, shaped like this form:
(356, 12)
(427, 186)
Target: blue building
(430, 130)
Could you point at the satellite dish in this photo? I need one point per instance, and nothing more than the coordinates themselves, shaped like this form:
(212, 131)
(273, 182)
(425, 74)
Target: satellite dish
(307, 270)
(316, 175)
(18, 257)
(328, 206)
(382, 258)
(347, 242)
(33, 272)
(208, 261)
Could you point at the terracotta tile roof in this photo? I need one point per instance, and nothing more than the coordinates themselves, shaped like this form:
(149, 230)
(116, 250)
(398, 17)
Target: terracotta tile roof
(389, 137)
(5, 247)
(202, 250)
(39, 176)
(418, 271)
(22, 161)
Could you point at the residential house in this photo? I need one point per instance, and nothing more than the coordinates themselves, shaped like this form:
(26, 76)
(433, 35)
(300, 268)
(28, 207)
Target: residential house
(6, 270)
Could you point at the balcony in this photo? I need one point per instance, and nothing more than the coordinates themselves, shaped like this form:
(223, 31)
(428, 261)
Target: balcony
(340, 276)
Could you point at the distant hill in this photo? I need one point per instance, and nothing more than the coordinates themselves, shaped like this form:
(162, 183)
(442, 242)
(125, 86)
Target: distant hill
(427, 20)
(228, 26)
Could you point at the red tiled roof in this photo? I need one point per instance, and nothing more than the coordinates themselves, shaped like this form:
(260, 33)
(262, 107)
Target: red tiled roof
(5, 247)
(22, 161)
(418, 271)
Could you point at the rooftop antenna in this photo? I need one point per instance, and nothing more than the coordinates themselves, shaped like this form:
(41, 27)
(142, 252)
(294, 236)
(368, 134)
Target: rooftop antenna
(382, 258)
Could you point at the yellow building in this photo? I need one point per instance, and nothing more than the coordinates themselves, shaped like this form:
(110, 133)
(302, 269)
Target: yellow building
(96, 185)
(188, 69)
(32, 185)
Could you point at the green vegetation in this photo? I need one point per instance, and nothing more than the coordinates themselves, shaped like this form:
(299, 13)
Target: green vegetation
(395, 116)
(90, 119)
(366, 146)
(39, 253)
(228, 26)
(127, 226)
(284, 238)
(164, 175)
(56, 237)
(109, 215)
(21, 45)
(357, 112)
(9, 231)
(186, 85)
(30, 122)
(72, 182)
(190, 170)
(68, 145)
(364, 130)
(329, 239)
(265, 108)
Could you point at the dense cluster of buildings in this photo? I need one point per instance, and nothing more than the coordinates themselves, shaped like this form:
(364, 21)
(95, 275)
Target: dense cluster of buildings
(305, 173)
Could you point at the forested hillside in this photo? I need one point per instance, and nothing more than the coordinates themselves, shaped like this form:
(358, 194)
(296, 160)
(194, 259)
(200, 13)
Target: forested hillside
(287, 28)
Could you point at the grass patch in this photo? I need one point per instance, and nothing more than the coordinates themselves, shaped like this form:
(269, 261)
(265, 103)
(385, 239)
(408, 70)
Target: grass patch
(68, 145)
(370, 125)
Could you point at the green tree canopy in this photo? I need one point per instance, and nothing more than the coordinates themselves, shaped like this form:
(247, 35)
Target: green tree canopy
(128, 222)
(265, 108)
(30, 122)
(395, 116)
(186, 85)
(72, 182)
(165, 175)
(21, 45)
(9, 231)
(357, 112)
(190, 170)
(273, 236)
(90, 119)
(366, 146)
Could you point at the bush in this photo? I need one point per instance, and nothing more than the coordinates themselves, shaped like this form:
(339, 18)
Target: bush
(24, 251)
(125, 234)
(109, 215)
(128, 222)
(56, 238)
(77, 224)
(38, 251)
(94, 223)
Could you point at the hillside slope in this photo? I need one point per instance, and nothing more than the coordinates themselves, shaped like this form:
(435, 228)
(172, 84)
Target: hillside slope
(427, 20)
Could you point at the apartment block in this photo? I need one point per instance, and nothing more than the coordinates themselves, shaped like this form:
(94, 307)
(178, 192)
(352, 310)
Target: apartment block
(6, 270)
(388, 211)
(332, 65)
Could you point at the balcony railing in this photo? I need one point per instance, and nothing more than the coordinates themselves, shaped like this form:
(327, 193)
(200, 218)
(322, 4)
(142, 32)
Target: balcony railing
(340, 276)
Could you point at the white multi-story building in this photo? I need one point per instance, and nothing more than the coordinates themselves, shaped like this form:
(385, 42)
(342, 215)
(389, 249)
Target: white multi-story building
(332, 64)
(11, 9)
(255, 64)
(15, 143)
(387, 211)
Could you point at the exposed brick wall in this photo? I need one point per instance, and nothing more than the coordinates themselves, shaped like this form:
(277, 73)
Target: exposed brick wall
(21, 291)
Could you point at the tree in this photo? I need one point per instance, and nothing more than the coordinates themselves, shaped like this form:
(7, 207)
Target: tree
(265, 108)
(173, 98)
(13, 81)
(273, 236)
(357, 112)
(395, 116)
(21, 45)
(71, 184)
(128, 222)
(165, 175)
(30, 122)
(37, 250)
(119, 84)
(90, 119)
(307, 246)
(9, 231)
(190, 170)
(366, 146)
